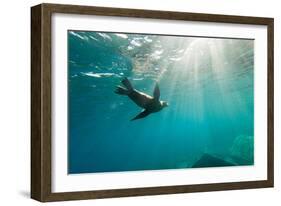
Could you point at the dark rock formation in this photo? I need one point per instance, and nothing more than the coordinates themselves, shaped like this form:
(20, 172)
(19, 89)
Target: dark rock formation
(210, 161)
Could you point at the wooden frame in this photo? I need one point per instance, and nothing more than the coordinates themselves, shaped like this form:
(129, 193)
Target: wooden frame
(41, 102)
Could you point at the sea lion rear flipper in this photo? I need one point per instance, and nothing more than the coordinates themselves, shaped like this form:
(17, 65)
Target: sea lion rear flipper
(127, 84)
(121, 90)
(156, 92)
(143, 114)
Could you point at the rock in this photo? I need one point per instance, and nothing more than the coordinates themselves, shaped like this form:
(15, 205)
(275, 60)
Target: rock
(242, 150)
(208, 160)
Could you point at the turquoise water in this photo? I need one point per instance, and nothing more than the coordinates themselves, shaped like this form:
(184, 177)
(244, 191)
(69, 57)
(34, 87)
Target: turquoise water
(208, 83)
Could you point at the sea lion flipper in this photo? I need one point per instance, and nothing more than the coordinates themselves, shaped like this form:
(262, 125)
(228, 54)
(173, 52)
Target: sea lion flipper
(127, 84)
(143, 114)
(121, 90)
(156, 92)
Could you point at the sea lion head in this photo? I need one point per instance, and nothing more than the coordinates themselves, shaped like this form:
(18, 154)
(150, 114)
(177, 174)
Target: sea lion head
(164, 104)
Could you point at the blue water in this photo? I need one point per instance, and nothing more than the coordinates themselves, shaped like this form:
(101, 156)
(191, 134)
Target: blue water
(208, 83)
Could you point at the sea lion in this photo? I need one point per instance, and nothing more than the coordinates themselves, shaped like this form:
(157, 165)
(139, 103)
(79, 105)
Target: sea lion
(148, 103)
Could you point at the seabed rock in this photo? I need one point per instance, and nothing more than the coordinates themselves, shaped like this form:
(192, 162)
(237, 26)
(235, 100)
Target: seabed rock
(242, 150)
(208, 160)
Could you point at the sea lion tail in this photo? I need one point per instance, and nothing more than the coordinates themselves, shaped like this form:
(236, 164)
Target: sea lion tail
(121, 90)
(127, 84)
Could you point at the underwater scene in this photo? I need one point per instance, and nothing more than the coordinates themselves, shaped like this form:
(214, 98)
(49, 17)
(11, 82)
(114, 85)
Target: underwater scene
(151, 102)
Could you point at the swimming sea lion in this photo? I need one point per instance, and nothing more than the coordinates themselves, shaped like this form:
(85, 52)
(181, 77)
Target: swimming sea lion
(148, 103)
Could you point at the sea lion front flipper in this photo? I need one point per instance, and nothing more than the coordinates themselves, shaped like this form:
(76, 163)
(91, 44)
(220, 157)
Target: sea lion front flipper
(156, 92)
(143, 114)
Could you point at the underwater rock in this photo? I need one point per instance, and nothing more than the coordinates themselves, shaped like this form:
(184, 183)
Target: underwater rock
(210, 161)
(242, 150)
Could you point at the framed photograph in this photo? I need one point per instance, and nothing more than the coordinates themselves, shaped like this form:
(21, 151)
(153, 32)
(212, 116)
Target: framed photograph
(130, 102)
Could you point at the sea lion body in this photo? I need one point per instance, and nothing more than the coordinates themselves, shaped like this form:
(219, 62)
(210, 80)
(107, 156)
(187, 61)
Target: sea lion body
(140, 98)
(148, 103)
